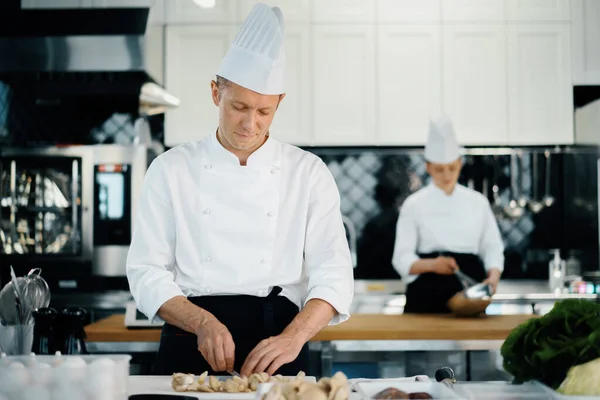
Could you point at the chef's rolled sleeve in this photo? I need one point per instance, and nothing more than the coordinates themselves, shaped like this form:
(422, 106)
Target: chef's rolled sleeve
(151, 254)
(327, 260)
(405, 246)
(492, 246)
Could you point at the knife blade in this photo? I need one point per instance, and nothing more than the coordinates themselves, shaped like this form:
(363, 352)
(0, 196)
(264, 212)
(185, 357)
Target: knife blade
(234, 373)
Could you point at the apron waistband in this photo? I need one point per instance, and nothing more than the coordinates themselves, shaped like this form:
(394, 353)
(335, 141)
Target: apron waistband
(436, 254)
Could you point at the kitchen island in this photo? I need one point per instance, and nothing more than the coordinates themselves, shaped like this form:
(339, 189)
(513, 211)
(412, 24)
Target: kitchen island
(378, 332)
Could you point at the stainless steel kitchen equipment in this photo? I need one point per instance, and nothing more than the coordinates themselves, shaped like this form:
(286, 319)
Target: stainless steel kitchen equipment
(71, 203)
(80, 51)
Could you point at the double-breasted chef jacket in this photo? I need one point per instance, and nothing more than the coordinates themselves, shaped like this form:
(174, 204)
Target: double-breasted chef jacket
(207, 226)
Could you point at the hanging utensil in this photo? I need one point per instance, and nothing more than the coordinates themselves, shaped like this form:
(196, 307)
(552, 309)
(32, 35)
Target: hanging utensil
(497, 206)
(513, 210)
(535, 204)
(548, 199)
(522, 200)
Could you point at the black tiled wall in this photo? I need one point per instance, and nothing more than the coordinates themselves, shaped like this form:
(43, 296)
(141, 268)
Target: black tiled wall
(373, 183)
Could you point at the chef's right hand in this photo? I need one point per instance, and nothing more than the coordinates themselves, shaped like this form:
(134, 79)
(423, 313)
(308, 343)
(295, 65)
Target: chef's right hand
(444, 265)
(216, 344)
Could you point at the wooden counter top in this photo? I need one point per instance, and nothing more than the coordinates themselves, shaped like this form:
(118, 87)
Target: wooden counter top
(359, 327)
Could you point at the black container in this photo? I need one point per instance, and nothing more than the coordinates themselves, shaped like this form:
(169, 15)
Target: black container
(70, 322)
(44, 335)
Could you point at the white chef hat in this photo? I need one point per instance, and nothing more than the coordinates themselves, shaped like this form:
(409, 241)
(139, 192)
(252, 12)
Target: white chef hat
(442, 146)
(256, 58)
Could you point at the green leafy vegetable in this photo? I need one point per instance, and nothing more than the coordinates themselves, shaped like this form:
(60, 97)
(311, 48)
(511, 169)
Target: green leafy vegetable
(546, 348)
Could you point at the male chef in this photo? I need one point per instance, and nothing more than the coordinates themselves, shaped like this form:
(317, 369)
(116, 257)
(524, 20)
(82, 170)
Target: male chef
(238, 243)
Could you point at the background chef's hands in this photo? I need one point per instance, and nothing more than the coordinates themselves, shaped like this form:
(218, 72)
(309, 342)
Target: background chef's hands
(216, 344)
(444, 265)
(270, 354)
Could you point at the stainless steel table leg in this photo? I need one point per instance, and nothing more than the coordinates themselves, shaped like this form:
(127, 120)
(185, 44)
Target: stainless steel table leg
(468, 366)
(326, 359)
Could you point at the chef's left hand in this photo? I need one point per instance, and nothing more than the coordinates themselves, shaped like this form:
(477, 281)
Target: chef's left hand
(493, 279)
(270, 354)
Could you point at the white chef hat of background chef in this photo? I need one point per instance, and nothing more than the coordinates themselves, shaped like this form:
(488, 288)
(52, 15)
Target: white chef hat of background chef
(442, 146)
(256, 58)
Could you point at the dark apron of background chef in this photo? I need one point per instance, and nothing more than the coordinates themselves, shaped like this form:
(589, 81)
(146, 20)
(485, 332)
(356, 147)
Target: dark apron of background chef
(430, 292)
(249, 319)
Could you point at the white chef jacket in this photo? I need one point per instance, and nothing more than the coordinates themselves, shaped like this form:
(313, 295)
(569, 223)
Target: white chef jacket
(207, 226)
(432, 221)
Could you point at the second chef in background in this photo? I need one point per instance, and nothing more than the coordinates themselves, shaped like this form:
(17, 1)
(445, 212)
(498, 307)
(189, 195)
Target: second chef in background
(442, 227)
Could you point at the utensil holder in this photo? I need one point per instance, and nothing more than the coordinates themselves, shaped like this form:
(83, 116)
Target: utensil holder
(16, 339)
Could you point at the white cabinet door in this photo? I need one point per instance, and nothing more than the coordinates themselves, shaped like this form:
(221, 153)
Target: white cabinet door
(410, 11)
(215, 11)
(193, 55)
(55, 3)
(539, 84)
(343, 96)
(155, 52)
(292, 120)
(473, 10)
(332, 11)
(585, 41)
(537, 10)
(409, 87)
(294, 11)
(475, 82)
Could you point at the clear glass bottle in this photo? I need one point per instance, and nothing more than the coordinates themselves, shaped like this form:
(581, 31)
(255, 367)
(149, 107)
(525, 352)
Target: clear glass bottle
(556, 272)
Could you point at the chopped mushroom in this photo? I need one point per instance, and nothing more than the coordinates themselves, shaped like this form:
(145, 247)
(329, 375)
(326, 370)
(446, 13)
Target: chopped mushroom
(205, 383)
(335, 388)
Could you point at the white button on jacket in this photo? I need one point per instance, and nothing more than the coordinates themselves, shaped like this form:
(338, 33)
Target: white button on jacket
(239, 230)
(431, 221)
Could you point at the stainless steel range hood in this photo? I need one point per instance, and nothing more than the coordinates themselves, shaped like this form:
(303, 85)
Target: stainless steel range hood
(83, 52)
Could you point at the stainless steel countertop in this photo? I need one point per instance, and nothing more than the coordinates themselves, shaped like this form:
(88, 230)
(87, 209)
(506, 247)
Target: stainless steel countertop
(512, 297)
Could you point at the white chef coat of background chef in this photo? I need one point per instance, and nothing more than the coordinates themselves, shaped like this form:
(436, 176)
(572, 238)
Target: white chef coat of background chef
(207, 226)
(432, 221)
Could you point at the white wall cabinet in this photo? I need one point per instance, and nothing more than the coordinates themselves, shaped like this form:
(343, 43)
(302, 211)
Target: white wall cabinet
(473, 10)
(292, 121)
(343, 89)
(193, 55)
(585, 41)
(188, 12)
(540, 90)
(374, 72)
(342, 11)
(407, 11)
(475, 82)
(537, 10)
(408, 89)
(296, 11)
(155, 52)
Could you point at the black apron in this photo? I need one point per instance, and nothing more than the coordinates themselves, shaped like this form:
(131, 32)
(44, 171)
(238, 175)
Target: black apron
(430, 292)
(249, 319)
